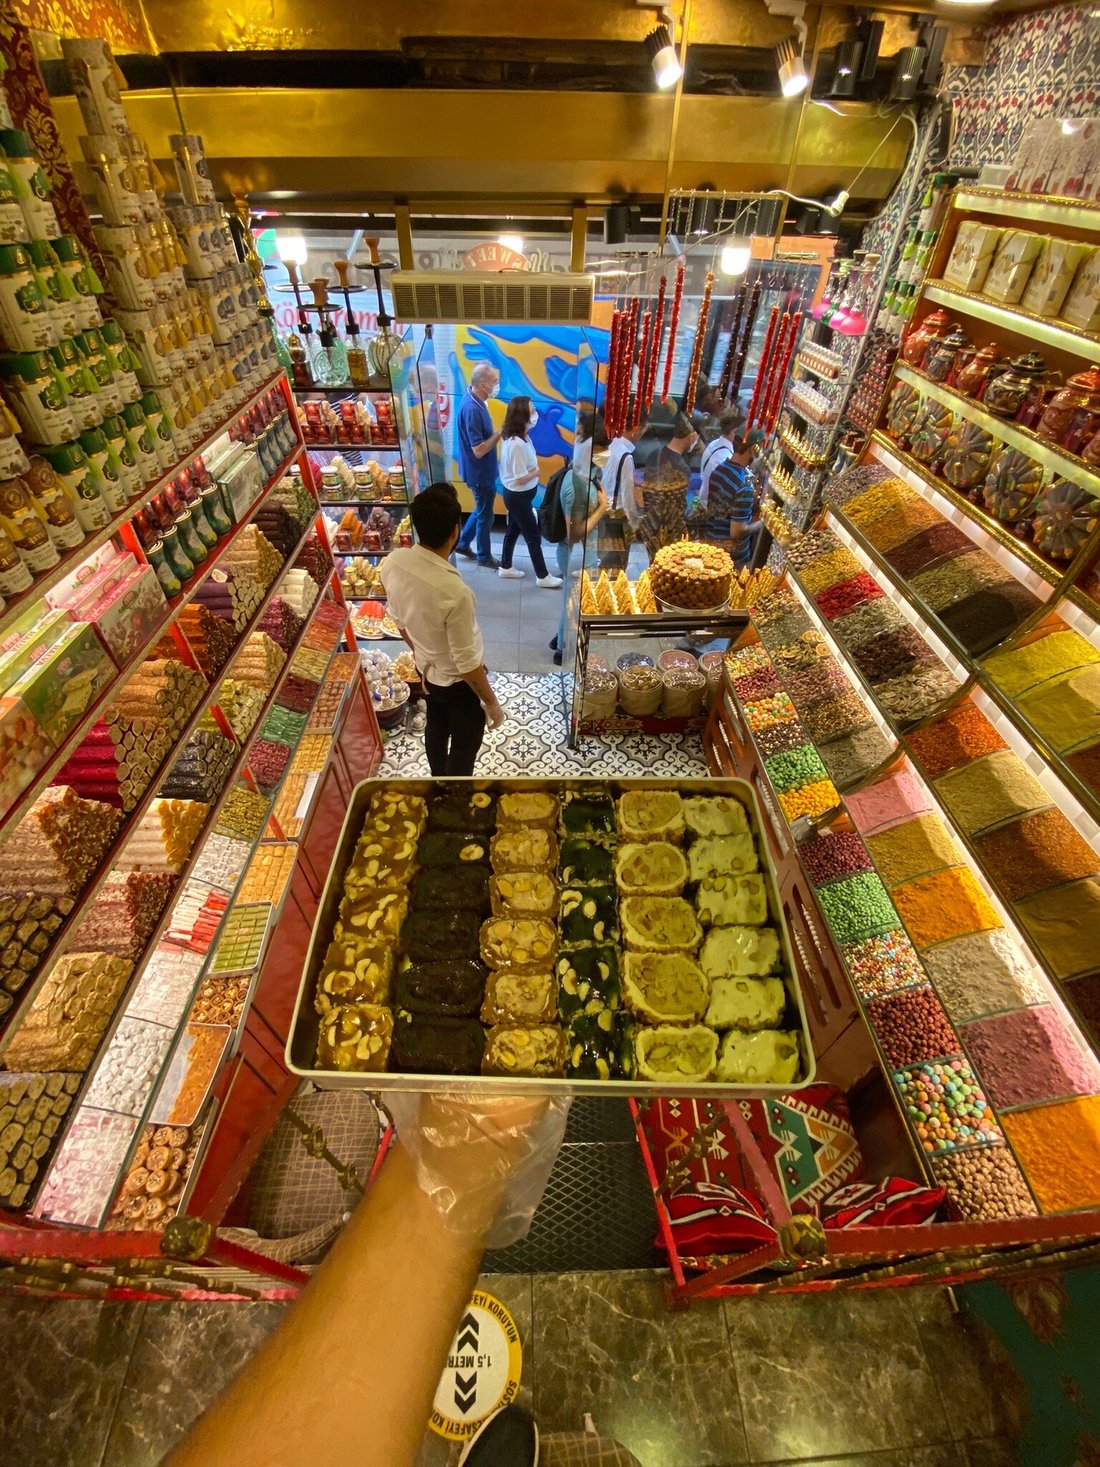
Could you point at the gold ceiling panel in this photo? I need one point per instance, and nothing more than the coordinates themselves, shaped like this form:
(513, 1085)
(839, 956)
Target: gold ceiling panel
(381, 145)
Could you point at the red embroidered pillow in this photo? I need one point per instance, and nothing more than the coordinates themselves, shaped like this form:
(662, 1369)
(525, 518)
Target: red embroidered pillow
(808, 1139)
(712, 1218)
(670, 1127)
(895, 1200)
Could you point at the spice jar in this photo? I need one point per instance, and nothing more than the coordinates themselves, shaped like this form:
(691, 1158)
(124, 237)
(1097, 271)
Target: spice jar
(940, 354)
(1005, 392)
(970, 375)
(26, 323)
(1082, 390)
(937, 323)
(1091, 451)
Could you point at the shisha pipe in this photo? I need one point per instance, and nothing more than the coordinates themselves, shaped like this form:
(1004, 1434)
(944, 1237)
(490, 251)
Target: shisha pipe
(303, 319)
(351, 326)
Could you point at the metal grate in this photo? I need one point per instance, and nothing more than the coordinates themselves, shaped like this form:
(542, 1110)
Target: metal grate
(597, 1211)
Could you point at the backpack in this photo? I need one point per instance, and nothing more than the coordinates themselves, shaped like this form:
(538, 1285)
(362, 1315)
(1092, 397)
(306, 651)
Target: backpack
(551, 517)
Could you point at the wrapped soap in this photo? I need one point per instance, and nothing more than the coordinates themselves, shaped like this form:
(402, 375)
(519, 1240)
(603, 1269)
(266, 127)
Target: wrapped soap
(1053, 274)
(1011, 269)
(971, 255)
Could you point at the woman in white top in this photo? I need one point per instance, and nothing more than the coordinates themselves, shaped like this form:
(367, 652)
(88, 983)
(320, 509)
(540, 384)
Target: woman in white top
(519, 474)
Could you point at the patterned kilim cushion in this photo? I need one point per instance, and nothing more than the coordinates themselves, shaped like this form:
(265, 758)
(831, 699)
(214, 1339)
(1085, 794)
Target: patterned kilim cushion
(893, 1202)
(808, 1139)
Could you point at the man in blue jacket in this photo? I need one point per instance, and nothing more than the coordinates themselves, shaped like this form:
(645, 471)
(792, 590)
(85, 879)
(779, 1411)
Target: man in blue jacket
(477, 458)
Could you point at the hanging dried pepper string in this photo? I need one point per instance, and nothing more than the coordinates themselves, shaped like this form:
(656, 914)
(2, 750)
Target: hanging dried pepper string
(746, 340)
(784, 368)
(697, 348)
(655, 352)
(774, 383)
(673, 323)
(738, 310)
(761, 370)
(643, 367)
(620, 357)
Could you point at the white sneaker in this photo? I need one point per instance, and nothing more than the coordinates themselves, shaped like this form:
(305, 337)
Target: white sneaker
(511, 574)
(549, 583)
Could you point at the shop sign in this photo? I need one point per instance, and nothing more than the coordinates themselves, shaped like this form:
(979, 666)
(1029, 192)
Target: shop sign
(491, 255)
(482, 1372)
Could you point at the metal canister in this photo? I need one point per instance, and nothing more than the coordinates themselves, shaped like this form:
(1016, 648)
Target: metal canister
(104, 461)
(32, 187)
(92, 346)
(55, 503)
(54, 283)
(156, 415)
(37, 397)
(69, 462)
(13, 227)
(157, 557)
(15, 578)
(124, 364)
(74, 265)
(26, 525)
(26, 321)
(177, 557)
(190, 541)
(213, 507)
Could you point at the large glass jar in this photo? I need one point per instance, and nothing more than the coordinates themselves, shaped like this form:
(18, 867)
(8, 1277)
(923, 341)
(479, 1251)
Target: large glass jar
(1082, 390)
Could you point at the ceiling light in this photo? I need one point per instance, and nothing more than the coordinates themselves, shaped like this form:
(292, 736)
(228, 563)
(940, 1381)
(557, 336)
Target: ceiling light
(966, 2)
(292, 248)
(846, 59)
(908, 66)
(511, 242)
(663, 57)
(793, 76)
(838, 204)
(735, 257)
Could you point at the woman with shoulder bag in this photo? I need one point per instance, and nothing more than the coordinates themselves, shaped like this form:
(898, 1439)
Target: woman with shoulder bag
(519, 475)
(584, 505)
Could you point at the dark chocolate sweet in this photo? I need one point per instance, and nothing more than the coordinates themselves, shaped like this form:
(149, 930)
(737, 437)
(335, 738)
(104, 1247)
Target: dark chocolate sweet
(466, 887)
(588, 814)
(585, 863)
(459, 810)
(588, 980)
(440, 933)
(600, 1046)
(588, 914)
(436, 1046)
(451, 988)
(448, 848)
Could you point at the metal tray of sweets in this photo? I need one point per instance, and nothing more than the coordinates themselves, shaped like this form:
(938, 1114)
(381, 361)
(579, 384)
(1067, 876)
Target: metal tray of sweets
(301, 1046)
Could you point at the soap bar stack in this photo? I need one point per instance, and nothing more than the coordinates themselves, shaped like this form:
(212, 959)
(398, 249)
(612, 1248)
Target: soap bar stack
(62, 1028)
(210, 637)
(201, 770)
(165, 837)
(58, 844)
(259, 663)
(126, 910)
(281, 623)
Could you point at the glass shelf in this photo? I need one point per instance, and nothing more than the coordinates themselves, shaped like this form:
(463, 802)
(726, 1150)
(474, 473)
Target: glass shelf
(1055, 334)
(1038, 208)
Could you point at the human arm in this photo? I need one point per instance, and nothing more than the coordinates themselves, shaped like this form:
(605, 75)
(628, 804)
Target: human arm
(478, 679)
(467, 654)
(381, 1311)
(479, 450)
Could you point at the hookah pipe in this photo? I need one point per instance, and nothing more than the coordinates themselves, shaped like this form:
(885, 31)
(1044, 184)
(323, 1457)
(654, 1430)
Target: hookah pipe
(357, 368)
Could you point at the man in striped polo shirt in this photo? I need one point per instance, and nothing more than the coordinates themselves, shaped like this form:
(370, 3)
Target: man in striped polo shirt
(731, 499)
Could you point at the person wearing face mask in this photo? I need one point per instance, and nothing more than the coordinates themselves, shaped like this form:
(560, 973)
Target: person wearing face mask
(664, 474)
(733, 497)
(477, 459)
(519, 474)
(584, 505)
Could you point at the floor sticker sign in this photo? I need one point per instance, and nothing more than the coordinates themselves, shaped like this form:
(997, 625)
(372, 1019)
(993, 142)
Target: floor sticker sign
(483, 1369)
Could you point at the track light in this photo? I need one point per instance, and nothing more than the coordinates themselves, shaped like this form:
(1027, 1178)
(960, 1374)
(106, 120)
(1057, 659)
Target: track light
(846, 59)
(793, 76)
(511, 242)
(735, 257)
(616, 222)
(908, 67)
(663, 57)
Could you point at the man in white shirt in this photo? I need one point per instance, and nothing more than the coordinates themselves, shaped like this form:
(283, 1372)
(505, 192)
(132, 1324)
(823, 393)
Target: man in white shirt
(718, 450)
(437, 614)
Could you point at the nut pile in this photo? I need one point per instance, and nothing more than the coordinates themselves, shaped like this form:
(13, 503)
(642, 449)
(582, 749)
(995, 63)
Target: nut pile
(911, 1026)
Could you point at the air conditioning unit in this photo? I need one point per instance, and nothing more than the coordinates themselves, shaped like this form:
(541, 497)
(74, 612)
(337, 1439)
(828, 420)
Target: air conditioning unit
(480, 295)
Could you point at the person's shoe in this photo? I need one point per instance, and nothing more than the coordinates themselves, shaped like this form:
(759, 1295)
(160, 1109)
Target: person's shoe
(557, 659)
(509, 573)
(554, 644)
(465, 551)
(489, 564)
(549, 583)
(508, 1438)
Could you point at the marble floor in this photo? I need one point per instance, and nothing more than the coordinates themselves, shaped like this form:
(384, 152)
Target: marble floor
(886, 1379)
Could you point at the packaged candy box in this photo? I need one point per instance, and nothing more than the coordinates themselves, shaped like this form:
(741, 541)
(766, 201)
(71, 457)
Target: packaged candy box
(1011, 269)
(24, 748)
(129, 614)
(972, 255)
(59, 689)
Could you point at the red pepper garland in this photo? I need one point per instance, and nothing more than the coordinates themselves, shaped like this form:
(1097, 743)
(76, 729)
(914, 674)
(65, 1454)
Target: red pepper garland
(673, 323)
(697, 347)
(655, 348)
(631, 350)
(761, 374)
(784, 367)
(746, 340)
(643, 368)
(770, 398)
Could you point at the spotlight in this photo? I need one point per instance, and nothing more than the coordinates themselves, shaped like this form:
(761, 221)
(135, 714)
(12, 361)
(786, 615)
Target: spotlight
(292, 248)
(793, 76)
(663, 57)
(511, 242)
(837, 205)
(846, 59)
(734, 259)
(908, 67)
(616, 222)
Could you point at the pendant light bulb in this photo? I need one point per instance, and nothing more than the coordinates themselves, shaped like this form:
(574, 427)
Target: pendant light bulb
(511, 242)
(663, 57)
(735, 257)
(292, 248)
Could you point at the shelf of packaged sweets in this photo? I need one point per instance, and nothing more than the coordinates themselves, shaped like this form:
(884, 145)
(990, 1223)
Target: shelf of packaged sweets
(139, 1119)
(10, 818)
(65, 932)
(1060, 463)
(1078, 803)
(364, 503)
(72, 559)
(367, 448)
(345, 389)
(1016, 555)
(1055, 334)
(1038, 208)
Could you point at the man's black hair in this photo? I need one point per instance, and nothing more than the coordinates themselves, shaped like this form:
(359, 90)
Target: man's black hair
(436, 514)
